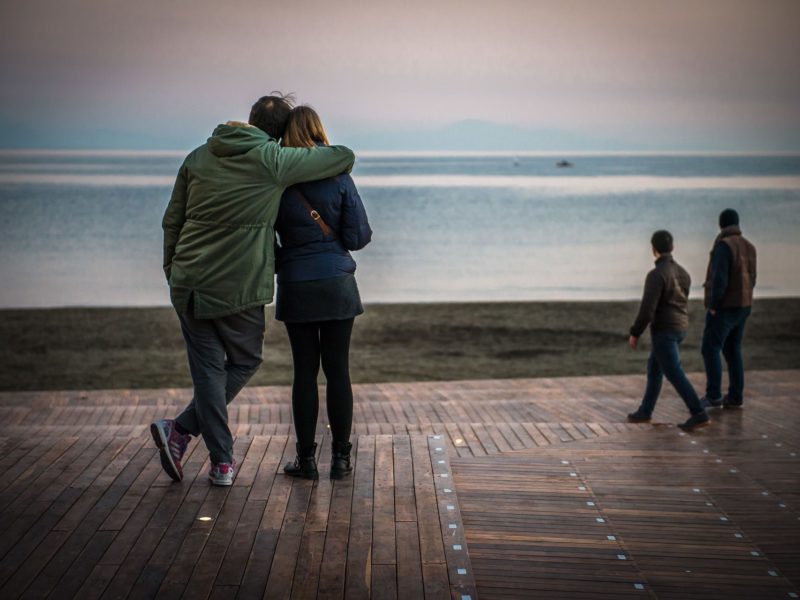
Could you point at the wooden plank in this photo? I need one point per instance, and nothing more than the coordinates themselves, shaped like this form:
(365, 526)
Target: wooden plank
(236, 556)
(257, 569)
(404, 497)
(523, 435)
(475, 446)
(430, 537)
(359, 546)
(383, 534)
(204, 572)
(277, 453)
(18, 519)
(309, 560)
(334, 557)
(16, 498)
(514, 443)
(73, 580)
(98, 518)
(27, 557)
(135, 543)
(48, 564)
(487, 442)
(456, 553)
(384, 582)
(409, 561)
(96, 583)
(320, 501)
(224, 592)
(435, 581)
(29, 466)
(282, 569)
(167, 529)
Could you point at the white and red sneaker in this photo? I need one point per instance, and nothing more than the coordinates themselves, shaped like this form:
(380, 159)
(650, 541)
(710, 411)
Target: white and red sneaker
(222, 473)
(171, 445)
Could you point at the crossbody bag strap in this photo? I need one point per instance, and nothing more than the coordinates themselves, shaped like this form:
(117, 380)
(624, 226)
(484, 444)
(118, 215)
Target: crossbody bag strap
(326, 230)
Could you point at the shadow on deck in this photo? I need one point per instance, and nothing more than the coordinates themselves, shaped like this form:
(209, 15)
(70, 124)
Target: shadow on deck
(499, 489)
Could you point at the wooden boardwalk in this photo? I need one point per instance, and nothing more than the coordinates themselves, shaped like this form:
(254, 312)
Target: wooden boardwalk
(492, 489)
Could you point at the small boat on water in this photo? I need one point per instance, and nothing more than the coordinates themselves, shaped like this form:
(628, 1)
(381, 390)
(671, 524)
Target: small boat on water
(563, 164)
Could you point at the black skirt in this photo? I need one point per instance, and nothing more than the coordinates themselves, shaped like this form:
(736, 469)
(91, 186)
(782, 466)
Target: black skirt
(332, 299)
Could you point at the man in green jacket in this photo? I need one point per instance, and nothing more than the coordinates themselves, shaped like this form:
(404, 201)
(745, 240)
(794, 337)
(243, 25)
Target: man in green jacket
(219, 262)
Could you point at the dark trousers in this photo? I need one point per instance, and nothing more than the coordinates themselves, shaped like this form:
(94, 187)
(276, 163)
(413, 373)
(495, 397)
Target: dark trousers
(223, 354)
(327, 342)
(665, 361)
(724, 333)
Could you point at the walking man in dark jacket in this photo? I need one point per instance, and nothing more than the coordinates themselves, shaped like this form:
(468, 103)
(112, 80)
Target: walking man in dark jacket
(730, 280)
(665, 307)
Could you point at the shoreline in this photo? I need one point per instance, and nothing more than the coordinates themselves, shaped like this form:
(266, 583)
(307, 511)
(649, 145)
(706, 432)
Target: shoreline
(141, 347)
(695, 294)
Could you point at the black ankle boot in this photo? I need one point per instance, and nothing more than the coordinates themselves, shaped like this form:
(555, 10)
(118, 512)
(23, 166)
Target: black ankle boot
(340, 459)
(305, 463)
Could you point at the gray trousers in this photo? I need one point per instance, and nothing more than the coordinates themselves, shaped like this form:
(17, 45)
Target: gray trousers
(223, 354)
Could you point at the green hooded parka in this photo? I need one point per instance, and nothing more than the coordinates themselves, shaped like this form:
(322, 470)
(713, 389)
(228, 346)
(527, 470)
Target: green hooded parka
(219, 242)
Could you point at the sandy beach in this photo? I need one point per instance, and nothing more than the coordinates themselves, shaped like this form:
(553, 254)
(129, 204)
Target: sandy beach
(107, 348)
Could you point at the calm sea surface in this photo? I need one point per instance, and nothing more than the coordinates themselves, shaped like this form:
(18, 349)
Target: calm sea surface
(81, 228)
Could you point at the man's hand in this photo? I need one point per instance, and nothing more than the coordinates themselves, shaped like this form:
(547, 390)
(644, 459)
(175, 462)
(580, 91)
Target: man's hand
(633, 341)
(712, 312)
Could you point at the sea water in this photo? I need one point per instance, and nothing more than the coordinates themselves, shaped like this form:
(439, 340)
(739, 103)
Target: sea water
(84, 228)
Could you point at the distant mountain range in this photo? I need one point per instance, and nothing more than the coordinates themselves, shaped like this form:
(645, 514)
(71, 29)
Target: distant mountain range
(461, 135)
(469, 135)
(484, 135)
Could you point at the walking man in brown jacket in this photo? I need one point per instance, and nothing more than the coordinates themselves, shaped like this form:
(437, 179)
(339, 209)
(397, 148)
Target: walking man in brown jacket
(665, 307)
(730, 280)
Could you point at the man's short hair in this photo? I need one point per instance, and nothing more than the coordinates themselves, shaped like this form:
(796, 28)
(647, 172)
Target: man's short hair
(728, 217)
(271, 113)
(662, 241)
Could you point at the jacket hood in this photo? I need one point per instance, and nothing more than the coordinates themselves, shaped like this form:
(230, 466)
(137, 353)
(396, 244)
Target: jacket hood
(234, 138)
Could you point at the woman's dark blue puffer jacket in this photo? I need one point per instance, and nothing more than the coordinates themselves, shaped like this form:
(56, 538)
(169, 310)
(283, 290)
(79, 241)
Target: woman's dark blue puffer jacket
(304, 252)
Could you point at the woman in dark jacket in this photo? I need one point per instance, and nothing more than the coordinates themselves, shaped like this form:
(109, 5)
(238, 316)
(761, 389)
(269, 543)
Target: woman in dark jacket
(318, 224)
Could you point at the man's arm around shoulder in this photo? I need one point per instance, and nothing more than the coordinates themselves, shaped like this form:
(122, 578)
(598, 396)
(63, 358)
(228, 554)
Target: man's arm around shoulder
(296, 165)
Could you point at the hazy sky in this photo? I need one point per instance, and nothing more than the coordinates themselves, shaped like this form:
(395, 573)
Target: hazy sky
(676, 74)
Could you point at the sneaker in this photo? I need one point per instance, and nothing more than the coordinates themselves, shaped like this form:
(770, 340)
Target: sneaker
(639, 417)
(707, 402)
(728, 402)
(222, 473)
(171, 446)
(695, 422)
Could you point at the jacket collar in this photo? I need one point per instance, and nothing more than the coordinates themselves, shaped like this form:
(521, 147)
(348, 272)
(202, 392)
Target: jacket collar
(666, 256)
(728, 231)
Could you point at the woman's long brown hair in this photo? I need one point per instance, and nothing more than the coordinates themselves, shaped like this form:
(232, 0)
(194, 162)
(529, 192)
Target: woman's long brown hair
(304, 129)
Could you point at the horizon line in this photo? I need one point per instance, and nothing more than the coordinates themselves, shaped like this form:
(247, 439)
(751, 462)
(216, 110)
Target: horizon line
(410, 153)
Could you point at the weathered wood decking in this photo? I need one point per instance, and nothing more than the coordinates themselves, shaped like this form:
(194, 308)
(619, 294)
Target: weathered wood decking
(491, 489)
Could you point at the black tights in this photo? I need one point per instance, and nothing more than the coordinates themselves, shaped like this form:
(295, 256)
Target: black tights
(330, 342)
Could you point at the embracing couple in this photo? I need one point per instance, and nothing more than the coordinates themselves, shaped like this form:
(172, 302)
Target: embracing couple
(277, 173)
